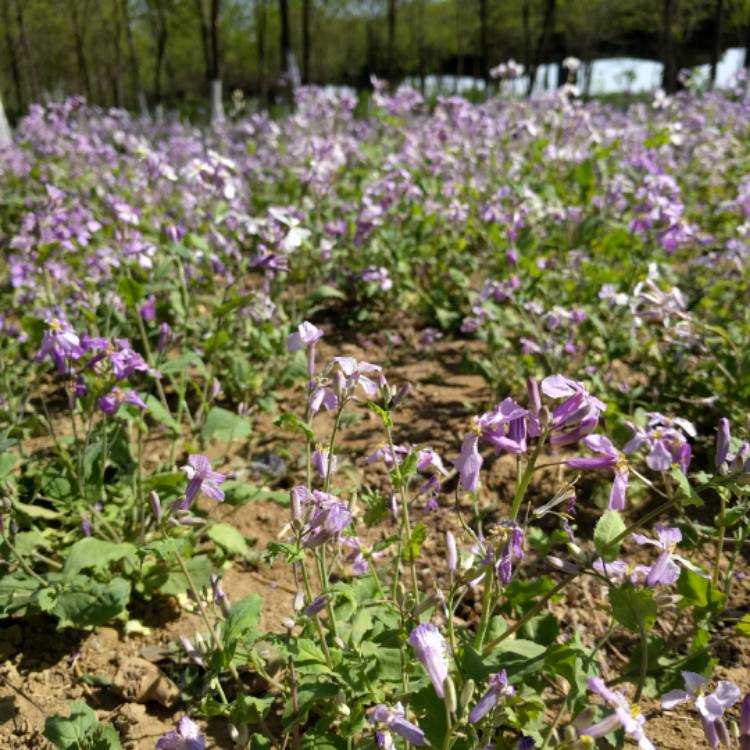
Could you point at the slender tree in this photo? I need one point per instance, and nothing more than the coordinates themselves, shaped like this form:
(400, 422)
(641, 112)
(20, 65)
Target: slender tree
(484, 44)
(116, 70)
(306, 16)
(391, 47)
(159, 32)
(669, 73)
(287, 60)
(80, 14)
(135, 72)
(28, 58)
(260, 39)
(716, 48)
(13, 61)
(548, 28)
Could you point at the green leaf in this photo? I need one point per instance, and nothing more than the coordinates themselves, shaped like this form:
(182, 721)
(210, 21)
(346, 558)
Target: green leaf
(243, 617)
(608, 528)
(71, 732)
(87, 603)
(293, 423)
(160, 414)
(177, 365)
(633, 608)
(743, 626)
(222, 424)
(698, 591)
(326, 292)
(414, 545)
(94, 553)
(228, 537)
(131, 291)
(200, 568)
(7, 464)
(35, 511)
(685, 492)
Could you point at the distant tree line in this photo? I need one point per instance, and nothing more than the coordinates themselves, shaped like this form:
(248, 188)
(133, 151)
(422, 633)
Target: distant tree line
(145, 53)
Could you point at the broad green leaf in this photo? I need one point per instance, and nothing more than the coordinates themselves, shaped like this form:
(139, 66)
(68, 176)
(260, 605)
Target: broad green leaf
(414, 545)
(228, 537)
(698, 591)
(633, 608)
(243, 617)
(87, 603)
(94, 553)
(608, 528)
(222, 424)
(160, 414)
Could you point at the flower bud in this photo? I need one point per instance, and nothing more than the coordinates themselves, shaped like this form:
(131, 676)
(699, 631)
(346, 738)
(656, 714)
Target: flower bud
(570, 733)
(401, 394)
(449, 688)
(452, 556)
(288, 623)
(467, 693)
(535, 399)
(338, 383)
(745, 716)
(155, 506)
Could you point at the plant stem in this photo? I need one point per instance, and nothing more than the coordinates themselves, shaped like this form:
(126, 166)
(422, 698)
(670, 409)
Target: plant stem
(487, 601)
(720, 541)
(531, 613)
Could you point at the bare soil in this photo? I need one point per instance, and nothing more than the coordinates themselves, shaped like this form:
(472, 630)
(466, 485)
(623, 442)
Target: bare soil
(42, 669)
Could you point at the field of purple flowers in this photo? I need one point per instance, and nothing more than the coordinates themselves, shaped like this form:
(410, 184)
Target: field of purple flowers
(424, 426)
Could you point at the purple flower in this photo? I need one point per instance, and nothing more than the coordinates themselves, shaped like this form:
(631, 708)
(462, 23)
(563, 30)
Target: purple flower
(329, 518)
(395, 720)
(148, 309)
(513, 549)
(307, 335)
(609, 458)
(469, 462)
(59, 341)
(110, 403)
(710, 707)
(378, 275)
(626, 716)
(732, 462)
(186, 737)
(316, 605)
(202, 479)
(319, 460)
(745, 723)
(432, 651)
(723, 441)
(666, 569)
(667, 445)
(429, 462)
(577, 416)
(505, 427)
(498, 688)
(352, 373)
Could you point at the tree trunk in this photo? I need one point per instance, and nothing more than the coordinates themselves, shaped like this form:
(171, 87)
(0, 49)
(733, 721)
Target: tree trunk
(306, 15)
(217, 101)
(548, 28)
(117, 70)
(15, 67)
(391, 45)
(80, 16)
(286, 49)
(716, 49)
(421, 49)
(526, 22)
(459, 44)
(484, 51)
(135, 73)
(205, 39)
(669, 74)
(28, 58)
(260, 31)
(5, 135)
(159, 31)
